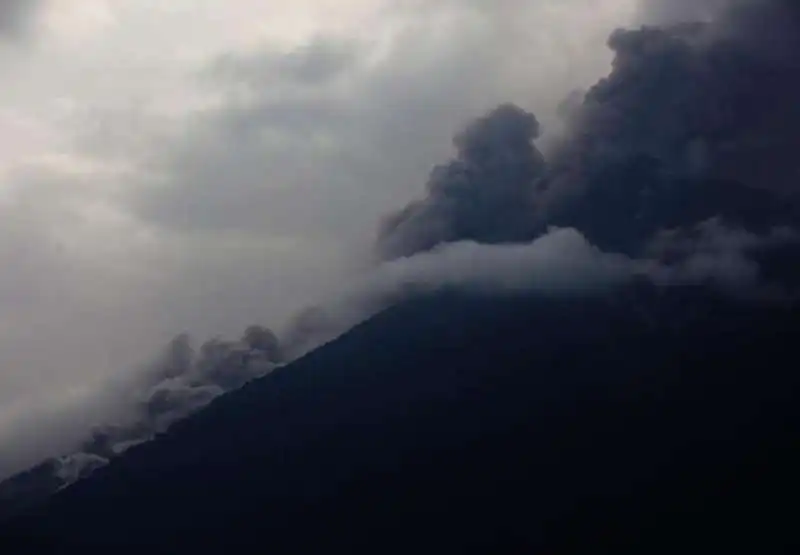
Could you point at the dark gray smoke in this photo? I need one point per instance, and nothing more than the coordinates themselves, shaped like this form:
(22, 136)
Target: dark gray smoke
(484, 194)
(182, 380)
(697, 120)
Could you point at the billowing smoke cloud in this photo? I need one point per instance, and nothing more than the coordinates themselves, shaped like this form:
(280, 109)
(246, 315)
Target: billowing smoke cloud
(484, 194)
(696, 120)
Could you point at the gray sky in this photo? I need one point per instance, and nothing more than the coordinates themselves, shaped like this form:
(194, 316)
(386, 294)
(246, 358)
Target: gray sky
(203, 165)
(16, 16)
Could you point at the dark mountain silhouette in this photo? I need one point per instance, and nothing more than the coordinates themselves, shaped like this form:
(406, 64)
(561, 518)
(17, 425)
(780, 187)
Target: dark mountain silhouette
(646, 420)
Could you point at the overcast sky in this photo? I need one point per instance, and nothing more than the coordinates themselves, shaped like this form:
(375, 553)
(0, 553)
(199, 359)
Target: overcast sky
(203, 165)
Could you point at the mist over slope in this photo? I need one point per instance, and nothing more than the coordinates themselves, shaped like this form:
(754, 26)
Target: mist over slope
(677, 168)
(125, 413)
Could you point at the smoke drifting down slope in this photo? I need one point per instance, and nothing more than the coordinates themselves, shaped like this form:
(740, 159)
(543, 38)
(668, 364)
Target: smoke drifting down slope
(127, 412)
(678, 167)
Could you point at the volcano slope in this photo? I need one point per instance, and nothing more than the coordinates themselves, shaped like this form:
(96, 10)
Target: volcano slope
(643, 420)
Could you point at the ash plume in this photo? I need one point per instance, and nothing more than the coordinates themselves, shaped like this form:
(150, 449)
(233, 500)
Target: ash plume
(484, 194)
(697, 120)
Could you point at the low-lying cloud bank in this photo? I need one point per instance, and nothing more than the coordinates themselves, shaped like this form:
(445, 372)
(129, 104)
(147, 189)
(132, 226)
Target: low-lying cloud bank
(561, 263)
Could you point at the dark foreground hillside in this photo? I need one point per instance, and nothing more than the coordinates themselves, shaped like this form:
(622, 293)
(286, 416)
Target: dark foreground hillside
(644, 422)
